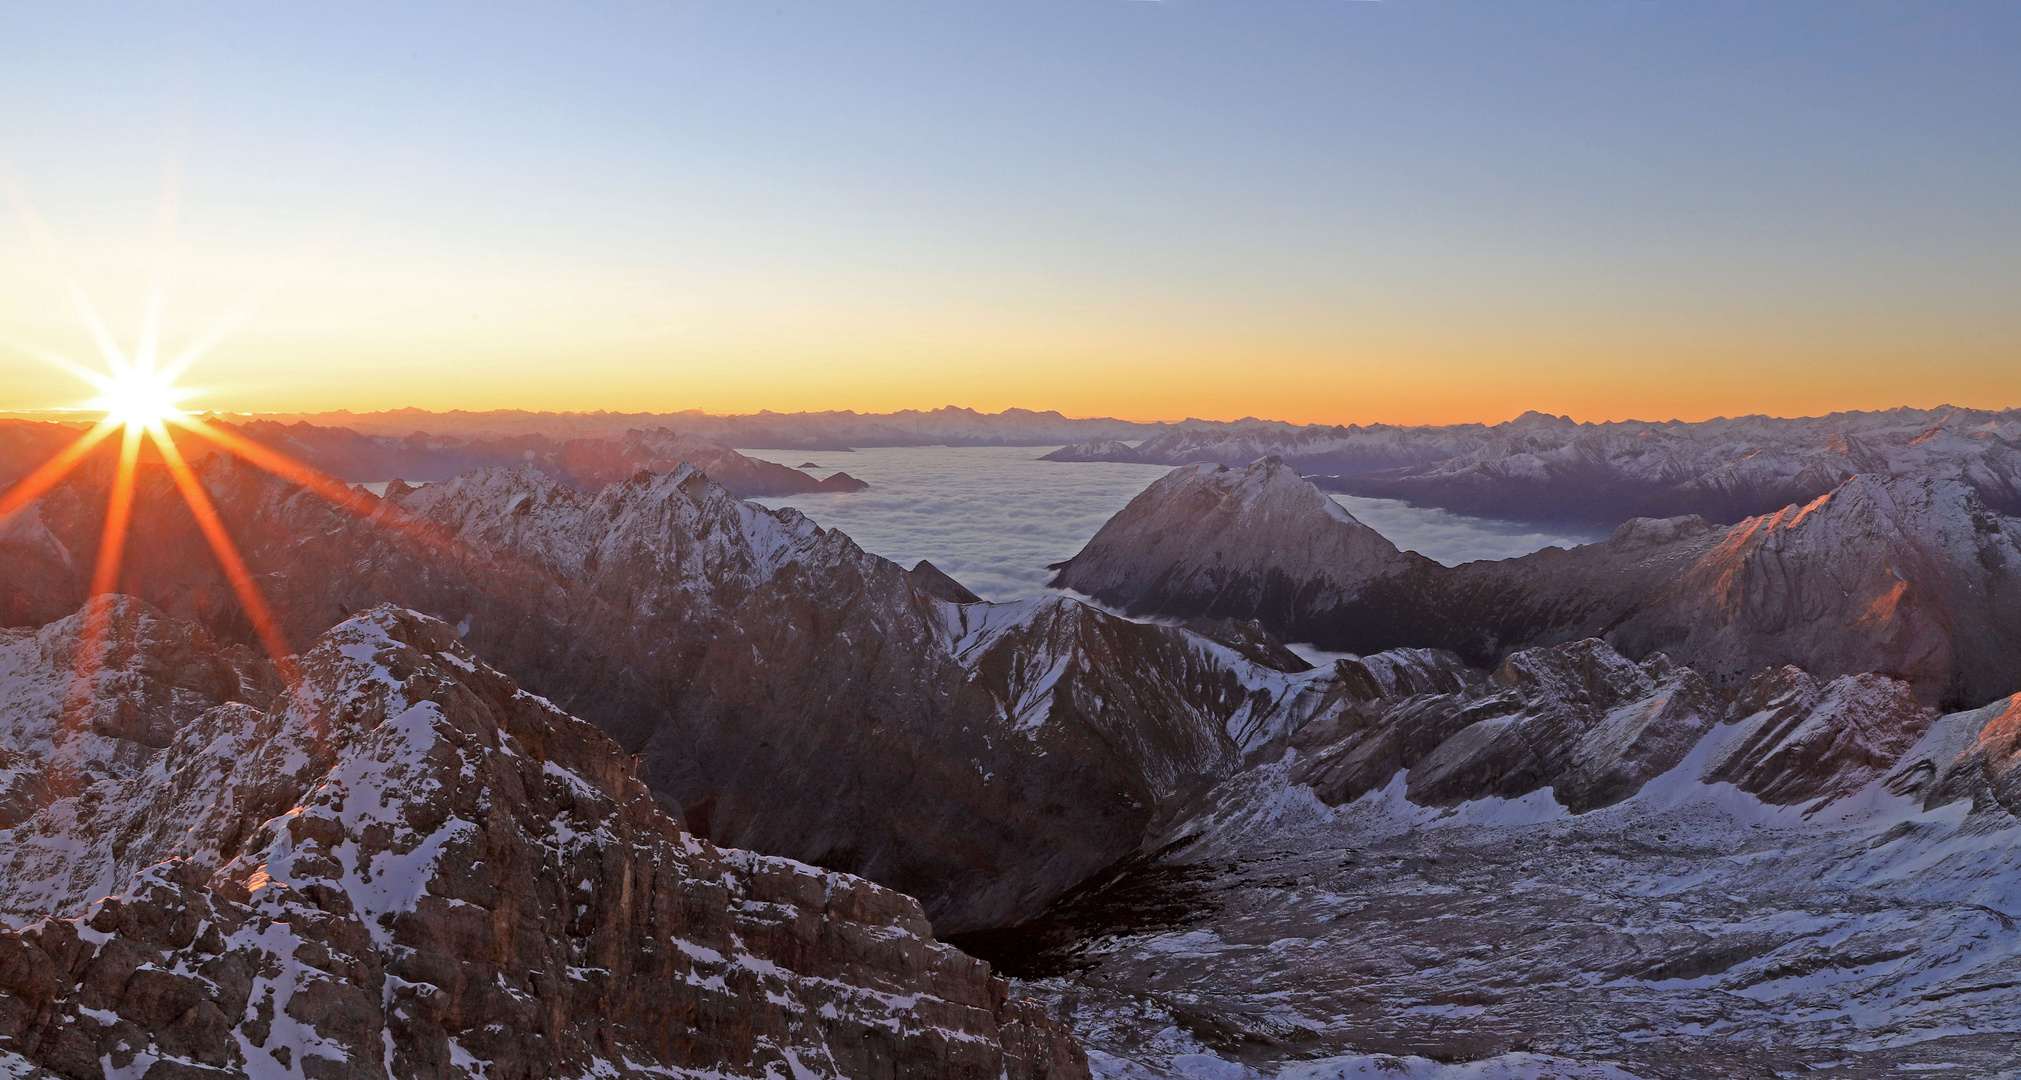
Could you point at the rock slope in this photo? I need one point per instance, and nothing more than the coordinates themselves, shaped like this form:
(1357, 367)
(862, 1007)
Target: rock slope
(1913, 578)
(405, 865)
(786, 691)
(1818, 881)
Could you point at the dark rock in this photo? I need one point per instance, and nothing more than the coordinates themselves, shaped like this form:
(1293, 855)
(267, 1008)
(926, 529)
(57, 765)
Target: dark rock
(462, 880)
(934, 582)
(1806, 739)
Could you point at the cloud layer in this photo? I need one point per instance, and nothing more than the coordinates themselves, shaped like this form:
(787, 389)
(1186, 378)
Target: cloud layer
(994, 517)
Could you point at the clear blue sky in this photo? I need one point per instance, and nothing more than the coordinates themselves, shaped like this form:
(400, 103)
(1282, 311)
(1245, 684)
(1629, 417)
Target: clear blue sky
(1320, 209)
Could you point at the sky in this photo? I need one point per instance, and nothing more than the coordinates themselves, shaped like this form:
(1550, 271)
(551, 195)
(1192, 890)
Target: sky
(1312, 210)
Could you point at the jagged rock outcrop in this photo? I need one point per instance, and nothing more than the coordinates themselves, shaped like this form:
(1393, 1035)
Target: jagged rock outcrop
(1913, 578)
(786, 691)
(1579, 718)
(1804, 738)
(407, 866)
(1385, 713)
(1973, 756)
(1099, 448)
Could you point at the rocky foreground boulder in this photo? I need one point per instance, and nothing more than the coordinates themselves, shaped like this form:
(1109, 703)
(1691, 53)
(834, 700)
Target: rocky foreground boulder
(404, 865)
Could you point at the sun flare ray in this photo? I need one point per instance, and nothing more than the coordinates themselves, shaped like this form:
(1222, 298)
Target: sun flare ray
(234, 564)
(30, 487)
(118, 515)
(140, 399)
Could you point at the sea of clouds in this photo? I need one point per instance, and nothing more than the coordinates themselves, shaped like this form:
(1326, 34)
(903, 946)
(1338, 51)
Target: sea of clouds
(994, 517)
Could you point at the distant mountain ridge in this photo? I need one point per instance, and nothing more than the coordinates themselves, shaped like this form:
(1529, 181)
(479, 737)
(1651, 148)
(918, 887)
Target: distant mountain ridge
(590, 464)
(1543, 468)
(828, 431)
(1913, 577)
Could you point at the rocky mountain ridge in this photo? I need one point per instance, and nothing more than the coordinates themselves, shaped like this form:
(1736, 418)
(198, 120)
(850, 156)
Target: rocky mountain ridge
(1911, 577)
(744, 654)
(834, 430)
(1537, 841)
(587, 463)
(404, 865)
(1542, 468)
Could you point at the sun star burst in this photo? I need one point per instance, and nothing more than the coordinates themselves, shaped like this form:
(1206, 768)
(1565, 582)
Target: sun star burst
(141, 402)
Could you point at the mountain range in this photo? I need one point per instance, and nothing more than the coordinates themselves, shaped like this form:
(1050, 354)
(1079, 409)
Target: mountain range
(1913, 577)
(1549, 469)
(1697, 801)
(590, 463)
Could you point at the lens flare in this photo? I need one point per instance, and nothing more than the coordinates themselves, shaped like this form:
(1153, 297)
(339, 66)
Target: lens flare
(139, 399)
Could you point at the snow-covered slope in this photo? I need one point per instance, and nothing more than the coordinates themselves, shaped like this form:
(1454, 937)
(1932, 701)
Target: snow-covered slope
(785, 691)
(407, 866)
(1857, 921)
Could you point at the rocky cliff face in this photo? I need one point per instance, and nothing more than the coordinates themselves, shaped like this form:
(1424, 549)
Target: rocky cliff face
(404, 865)
(1913, 578)
(1572, 866)
(786, 691)
(1804, 738)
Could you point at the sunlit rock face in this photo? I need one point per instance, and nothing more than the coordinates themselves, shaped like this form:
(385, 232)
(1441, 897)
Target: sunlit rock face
(405, 865)
(785, 691)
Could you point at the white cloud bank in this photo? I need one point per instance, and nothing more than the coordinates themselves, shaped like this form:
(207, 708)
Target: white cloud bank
(994, 517)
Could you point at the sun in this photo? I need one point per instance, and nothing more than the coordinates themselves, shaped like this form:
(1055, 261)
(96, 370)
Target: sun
(142, 403)
(139, 399)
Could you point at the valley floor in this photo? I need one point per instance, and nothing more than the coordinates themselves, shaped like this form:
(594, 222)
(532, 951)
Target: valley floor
(1689, 932)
